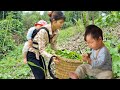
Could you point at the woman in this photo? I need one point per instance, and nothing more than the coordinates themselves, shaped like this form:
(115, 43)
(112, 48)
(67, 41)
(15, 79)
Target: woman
(41, 40)
(30, 33)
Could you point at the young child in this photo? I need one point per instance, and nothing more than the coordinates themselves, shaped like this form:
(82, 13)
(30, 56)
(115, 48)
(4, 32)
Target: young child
(28, 44)
(99, 61)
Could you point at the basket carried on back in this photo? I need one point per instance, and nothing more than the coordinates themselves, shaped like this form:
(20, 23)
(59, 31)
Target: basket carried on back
(64, 67)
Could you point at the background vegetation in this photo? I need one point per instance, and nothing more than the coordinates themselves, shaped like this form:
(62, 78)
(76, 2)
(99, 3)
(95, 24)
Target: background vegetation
(15, 24)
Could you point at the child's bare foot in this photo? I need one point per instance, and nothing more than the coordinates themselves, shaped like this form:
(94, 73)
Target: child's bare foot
(73, 75)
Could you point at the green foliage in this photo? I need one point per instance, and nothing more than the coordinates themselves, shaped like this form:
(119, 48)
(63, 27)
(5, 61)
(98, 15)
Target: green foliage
(6, 43)
(68, 54)
(12, 66)
(85, 20)
(45, 17)
(17, 14)
(80, 25)
(3, 14)
(108, 20)
(114, 47)
(71, 18)
(65, 53)
(94, 14)
(116, 65)
(29, 19)
(11, 62)
(65, 34)
(12, 25)
(67, 24)
(9, 27)
(48, 49)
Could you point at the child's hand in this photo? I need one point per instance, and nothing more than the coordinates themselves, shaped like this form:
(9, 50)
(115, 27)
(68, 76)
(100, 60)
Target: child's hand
(25, 61)
(85, 57)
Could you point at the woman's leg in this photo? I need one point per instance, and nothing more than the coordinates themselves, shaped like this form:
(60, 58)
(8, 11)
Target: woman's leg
(37, 72)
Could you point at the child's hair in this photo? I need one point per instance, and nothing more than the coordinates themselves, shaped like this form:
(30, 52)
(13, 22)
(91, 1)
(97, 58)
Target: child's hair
(56, 15)
(95, 32)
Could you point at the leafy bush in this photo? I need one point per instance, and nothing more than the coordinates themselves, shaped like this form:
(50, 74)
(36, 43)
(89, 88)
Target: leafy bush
(8, 28)
(114, 48)
(6, 43)
(12, 66)
(112, 42)
(67, 24)
(13, 26)
(10, 24)
(29, 19)
(109, 20)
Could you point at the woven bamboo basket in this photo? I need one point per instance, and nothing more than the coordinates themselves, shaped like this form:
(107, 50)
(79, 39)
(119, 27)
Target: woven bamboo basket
(65, 66)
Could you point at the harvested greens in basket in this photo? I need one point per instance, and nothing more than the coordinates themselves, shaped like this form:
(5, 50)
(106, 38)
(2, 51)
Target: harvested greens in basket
(65, 53)
(68, 54)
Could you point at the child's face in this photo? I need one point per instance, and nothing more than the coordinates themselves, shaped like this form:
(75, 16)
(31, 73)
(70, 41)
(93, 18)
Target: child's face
(58, 24)
(93, 43)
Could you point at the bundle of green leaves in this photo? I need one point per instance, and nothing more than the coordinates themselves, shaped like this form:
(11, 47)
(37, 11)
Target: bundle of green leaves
(69, 54)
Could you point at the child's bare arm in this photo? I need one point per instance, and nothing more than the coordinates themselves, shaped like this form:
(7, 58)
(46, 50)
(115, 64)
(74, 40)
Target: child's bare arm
(30, 42)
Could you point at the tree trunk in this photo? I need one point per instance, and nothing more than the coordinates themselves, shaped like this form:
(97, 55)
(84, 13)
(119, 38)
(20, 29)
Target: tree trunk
(87, 18)
(93, 18)
(3, 14)
(82, 17)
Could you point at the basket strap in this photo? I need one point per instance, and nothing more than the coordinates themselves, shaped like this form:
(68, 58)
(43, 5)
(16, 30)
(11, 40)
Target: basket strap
(49, 69)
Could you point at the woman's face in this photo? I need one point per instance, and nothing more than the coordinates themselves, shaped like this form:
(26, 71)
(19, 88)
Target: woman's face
(58, 24)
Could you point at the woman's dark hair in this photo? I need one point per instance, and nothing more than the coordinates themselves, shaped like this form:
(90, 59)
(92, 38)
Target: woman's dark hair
(94, 31)
(56, 15)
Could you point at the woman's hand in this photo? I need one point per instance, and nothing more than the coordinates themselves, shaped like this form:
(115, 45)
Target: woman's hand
(56, 60)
